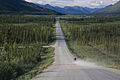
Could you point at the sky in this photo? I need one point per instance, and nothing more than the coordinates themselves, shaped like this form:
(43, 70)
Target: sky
(83, 3)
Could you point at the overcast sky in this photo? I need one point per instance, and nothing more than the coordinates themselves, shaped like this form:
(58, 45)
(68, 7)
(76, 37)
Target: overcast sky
(84, 3)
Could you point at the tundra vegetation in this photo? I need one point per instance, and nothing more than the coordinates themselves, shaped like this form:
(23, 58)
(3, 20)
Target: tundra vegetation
(21, 41)
(95, 38)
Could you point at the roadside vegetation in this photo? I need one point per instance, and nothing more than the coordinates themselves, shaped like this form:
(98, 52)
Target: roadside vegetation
(95, 38)
(21, 41)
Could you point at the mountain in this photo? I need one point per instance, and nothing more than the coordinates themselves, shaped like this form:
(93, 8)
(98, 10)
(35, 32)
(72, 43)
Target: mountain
(111, 9)
(70, 10)
(23, 7)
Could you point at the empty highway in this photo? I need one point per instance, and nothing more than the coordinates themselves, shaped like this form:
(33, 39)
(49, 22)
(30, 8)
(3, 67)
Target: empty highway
(64, 67)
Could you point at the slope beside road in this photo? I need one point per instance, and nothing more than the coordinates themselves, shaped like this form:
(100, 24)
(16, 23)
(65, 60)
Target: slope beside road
(64, 67)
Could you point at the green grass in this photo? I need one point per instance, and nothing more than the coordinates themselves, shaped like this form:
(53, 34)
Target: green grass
(91, 54)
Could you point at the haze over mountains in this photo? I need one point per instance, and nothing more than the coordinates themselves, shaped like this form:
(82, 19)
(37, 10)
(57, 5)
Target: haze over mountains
(70, 9)
(22, 7)
(111, 9)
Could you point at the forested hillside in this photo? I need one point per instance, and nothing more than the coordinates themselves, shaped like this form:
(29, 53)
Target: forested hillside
(22, 7)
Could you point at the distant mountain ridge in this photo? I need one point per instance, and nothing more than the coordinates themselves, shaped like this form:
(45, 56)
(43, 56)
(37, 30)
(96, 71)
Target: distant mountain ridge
(22, 7)
(111, 9)
(70, 10)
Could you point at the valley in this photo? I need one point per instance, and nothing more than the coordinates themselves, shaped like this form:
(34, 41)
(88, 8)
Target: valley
(40, 41)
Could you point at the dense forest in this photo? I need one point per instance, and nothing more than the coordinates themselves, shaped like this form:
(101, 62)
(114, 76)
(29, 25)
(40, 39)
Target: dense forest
(96, 37)
(21, 41)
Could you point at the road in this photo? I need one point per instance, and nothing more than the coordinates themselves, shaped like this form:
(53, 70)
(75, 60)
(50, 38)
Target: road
(64, 68)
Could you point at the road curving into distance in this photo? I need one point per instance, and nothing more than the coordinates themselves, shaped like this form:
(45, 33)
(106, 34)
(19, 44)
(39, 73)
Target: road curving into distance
(64, 67)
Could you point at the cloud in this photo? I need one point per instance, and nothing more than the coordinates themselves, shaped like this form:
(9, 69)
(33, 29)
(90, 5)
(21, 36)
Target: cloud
(84, 3)
(95, 4)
